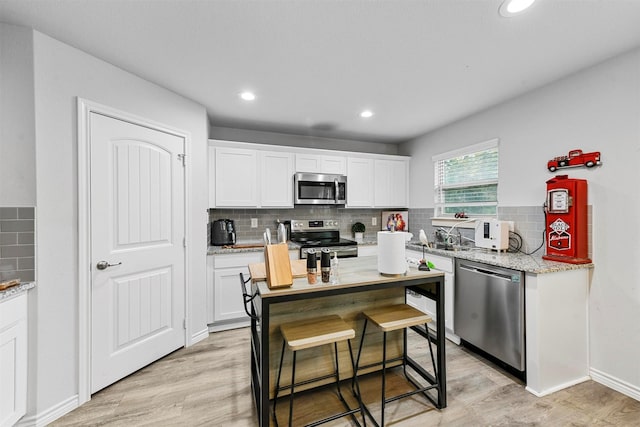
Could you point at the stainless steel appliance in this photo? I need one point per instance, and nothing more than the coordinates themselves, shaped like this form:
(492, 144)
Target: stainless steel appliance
(319, 189)
(223, 232)
(319, 234)
(489, 310)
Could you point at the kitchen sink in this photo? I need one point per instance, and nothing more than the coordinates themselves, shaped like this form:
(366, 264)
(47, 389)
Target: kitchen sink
(453, 248)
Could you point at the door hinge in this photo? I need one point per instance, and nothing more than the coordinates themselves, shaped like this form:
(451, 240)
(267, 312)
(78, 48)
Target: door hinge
(183, 158)
(184, 242)
(184, 323)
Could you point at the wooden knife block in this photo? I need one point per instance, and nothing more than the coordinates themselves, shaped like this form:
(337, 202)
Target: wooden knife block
(278, 266)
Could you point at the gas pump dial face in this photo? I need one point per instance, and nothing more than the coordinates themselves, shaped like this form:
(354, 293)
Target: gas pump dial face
(559, 201)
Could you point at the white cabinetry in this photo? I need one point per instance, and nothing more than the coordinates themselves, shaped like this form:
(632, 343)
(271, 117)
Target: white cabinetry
(261, 176)
(367, 250)
(225, 304)
(13, 359)
(235, 177)
(391, 183)
(446, 265)
(359, 182)
(245, 177)
(321, 163)
(276, 179)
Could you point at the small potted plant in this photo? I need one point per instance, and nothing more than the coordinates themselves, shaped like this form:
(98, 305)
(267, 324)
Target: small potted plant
(358, 231)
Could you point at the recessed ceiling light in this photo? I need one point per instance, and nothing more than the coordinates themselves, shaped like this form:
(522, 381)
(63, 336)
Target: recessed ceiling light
(366, 114)
(248, 96)
(509, 8)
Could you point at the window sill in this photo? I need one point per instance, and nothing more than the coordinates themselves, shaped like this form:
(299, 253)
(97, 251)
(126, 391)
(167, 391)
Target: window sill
(454, 222)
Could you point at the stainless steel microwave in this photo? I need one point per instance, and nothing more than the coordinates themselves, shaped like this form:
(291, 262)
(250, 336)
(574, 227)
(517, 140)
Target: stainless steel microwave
(319, 189)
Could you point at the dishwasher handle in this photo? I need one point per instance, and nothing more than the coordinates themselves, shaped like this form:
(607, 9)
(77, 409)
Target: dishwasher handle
(486, 272)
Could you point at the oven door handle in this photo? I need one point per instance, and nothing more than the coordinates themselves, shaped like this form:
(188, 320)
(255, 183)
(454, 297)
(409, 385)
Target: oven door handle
(347, 250)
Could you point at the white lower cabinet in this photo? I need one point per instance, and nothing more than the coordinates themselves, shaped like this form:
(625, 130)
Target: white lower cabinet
(225, 303)
(367, 250)
(13, 359)
(446, 265)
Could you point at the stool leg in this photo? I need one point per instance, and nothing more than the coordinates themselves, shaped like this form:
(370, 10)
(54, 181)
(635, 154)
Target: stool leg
(335, 352)
(293, 382)
(355, 370)
(275, 397)
(354, 379)
(384, 374)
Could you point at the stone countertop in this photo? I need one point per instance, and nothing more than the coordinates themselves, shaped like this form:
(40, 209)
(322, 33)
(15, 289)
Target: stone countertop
(516, 261)
(16, 290)
(220, 250)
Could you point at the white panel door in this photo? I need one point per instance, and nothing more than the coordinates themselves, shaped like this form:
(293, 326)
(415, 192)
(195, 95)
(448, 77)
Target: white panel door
(137, 226)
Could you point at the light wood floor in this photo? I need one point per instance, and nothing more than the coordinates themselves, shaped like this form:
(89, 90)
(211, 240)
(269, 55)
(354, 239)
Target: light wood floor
(208, 385)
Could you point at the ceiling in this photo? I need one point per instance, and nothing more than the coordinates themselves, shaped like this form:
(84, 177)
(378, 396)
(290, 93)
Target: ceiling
(316, 64)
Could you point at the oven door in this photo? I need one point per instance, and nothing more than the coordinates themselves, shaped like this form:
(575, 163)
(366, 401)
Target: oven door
(342, 251)
(319, 189)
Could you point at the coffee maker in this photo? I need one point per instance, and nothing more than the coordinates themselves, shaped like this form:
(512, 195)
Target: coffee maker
(223, 232)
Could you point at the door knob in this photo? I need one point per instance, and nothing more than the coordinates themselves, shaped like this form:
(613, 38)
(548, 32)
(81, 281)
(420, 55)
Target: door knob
(103, 265)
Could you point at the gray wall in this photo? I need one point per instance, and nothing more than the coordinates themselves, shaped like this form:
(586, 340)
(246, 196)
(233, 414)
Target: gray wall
(597, 109)
(17, 129)
(307, 141)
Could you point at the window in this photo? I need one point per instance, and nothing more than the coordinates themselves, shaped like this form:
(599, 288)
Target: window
(466, 181)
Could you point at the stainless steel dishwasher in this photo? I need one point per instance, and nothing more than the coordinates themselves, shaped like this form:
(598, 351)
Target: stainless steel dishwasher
(489, 310)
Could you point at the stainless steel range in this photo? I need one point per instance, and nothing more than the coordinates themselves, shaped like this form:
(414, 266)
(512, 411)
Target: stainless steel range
(319, 234)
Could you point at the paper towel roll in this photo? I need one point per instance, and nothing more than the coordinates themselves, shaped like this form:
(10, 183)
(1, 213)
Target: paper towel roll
(391, 252)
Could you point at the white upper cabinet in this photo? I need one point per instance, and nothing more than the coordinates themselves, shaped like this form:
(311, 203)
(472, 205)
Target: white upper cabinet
(261, 176)
(391, 183)
(235, 173)
(276, 179)
(359, 182)
(321, 163)
(246, 177)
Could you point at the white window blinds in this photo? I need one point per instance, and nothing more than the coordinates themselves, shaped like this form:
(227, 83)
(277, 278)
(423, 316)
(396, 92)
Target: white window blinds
(467, 180)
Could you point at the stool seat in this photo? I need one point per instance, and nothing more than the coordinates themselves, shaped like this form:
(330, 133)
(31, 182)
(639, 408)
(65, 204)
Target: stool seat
(314, 332)
(308, 333)
(393, 317)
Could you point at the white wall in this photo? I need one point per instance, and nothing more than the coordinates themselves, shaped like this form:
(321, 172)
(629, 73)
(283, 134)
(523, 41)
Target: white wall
(17, 135)
(596, 110)
(63, 73)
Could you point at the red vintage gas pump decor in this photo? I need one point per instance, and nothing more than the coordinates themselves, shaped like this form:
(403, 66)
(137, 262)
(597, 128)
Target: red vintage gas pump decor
(566, 220)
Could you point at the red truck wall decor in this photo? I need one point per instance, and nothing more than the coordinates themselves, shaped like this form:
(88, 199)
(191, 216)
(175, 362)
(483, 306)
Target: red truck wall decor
(573, 159)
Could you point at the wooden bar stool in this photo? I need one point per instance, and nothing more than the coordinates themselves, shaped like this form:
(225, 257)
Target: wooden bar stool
(311, 333)
(391, 318)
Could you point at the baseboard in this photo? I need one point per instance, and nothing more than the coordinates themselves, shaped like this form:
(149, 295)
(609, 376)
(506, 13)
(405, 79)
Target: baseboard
(218, 327)
(557, 387)
(199, 336)
(50, 415)
(616, 384)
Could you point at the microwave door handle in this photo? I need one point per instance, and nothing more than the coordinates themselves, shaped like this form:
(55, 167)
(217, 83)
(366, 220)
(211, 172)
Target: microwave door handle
(335, 192)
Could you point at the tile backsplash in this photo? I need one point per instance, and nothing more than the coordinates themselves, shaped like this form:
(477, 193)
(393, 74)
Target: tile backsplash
(17, 243)
(269, 217)
(529, 221)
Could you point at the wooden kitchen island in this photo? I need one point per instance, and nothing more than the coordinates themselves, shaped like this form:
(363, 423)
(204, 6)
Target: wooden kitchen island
(360, 287)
